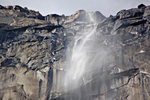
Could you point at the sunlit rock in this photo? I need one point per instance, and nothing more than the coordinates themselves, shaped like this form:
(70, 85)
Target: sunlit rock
(84, 56)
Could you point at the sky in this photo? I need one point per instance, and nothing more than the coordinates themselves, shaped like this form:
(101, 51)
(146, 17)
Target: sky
(68, 7)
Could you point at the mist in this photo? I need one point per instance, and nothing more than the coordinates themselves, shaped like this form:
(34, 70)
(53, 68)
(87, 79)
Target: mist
(68, 7)
(87, 56)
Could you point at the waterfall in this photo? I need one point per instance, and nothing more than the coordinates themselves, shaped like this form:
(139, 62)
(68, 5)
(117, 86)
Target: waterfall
(78, 63)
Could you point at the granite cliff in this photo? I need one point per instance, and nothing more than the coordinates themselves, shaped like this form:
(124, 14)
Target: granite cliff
(33, 47)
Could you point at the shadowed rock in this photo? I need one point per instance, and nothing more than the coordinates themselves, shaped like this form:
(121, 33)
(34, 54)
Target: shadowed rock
(33, 47)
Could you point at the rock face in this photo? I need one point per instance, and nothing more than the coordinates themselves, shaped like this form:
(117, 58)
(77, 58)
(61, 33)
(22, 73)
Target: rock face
(79, 16)
(32, 54)
(29, 49)
(127, 33)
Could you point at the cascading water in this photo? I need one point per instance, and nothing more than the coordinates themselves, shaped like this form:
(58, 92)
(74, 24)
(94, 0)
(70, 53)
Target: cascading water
(83, 58)
(79, 56)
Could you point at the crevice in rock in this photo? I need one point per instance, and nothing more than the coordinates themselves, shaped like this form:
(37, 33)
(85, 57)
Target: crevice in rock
(49, 81)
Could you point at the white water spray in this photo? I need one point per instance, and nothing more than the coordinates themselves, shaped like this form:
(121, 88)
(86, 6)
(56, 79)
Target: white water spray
(79, 57)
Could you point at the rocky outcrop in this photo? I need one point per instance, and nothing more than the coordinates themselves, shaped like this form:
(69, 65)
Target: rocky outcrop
(32, 54)
(127, 35)
(79, 16)
(29, 49)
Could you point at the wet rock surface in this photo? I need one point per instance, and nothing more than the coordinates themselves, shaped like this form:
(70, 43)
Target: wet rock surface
(32, 55)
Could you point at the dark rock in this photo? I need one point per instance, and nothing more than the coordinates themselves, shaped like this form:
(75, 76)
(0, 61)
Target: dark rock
(9, 7)
(40, 85)
(8, 63)
(55, 19)
(40, 38)
(32, 53)
(2, 7)
(18, 8)
(141, 6)
(130, 13)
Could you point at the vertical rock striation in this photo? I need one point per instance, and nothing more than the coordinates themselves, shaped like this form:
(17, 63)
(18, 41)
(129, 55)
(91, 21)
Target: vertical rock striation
(33, 55)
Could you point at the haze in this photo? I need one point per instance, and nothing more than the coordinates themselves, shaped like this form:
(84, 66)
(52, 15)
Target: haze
(68, 7)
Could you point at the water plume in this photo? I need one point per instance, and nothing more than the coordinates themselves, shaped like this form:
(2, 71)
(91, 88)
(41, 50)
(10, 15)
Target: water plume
(85, 56)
